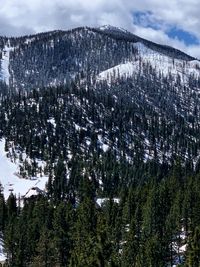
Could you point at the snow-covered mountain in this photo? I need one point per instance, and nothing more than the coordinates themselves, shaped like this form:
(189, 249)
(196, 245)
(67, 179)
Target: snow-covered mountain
(58, 57)
(163, 59)
(123, 95)
(99, 126)
(162, 63)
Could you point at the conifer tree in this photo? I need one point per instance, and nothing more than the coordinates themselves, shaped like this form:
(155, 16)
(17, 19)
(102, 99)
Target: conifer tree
(193, 258)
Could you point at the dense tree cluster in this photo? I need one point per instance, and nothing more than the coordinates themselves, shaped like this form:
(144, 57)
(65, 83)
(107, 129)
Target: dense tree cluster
(74, 123)
(58, 57)
(158, 200)
(121, 154)
(141, 229)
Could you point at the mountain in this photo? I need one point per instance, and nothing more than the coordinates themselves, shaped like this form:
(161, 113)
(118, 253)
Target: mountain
(99, 150)
(57, 57)
(116, 94)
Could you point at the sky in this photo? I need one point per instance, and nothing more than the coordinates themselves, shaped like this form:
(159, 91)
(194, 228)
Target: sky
(173, 22)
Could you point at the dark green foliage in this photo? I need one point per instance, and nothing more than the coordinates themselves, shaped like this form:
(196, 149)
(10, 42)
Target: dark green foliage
(134, 143)
(3, 210)
(194, 250)
(138, 231)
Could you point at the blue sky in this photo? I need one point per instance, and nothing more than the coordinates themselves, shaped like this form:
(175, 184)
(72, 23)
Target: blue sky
(172, 22)
(182, 35)
(146, 19)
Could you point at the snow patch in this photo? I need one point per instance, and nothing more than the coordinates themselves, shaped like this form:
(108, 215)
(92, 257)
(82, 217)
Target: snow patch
(5, 73)
(34, 191)
(2, 254)
(52, 121)
(29, 40)
(105, 147)
(162, 63)
(101, 201)
(102, 145)
(112, 28)
(122, 70)
(12, 181)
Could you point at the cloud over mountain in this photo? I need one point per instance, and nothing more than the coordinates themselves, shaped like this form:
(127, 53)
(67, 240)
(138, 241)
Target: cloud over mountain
(174, 22)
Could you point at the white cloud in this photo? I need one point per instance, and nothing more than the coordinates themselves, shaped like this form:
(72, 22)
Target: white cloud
(160, 37)
(18, 17)
(182, 13)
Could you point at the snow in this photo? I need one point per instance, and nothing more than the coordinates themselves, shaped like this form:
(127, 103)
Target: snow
(5, 63)
(167, 64)
(88, 142)
(100, 201)
(105, 147)
(69, 155)
(111, 28)
(179, 246)
(52, 121)
(102, 145)
(29, 40)
(121, 70)
(2, 255)
(183, 235)
(162, 63)
(79, 128)
(183, 248)
(34, 191)
(12, 181)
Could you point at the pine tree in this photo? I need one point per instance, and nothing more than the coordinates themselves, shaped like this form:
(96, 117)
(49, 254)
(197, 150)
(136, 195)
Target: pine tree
(63, 227)
(59, 181)
(45, 252)
(3, 213)
(130, 250)
(11, 207)
(84, 236)
(193, 258)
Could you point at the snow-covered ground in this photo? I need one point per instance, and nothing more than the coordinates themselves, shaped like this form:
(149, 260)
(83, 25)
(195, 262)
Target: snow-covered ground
(5, 74)
(2, 255)
(101, 201)
(112, 28)
(119, 71)
(162, 63)
(52, 121)
(166, 64)
(10, 179)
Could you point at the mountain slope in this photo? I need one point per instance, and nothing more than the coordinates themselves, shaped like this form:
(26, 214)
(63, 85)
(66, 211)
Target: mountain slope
(54, 58)
(120, 33)
(110, 94)
(98, 113)
(10, 177)
(163, 64)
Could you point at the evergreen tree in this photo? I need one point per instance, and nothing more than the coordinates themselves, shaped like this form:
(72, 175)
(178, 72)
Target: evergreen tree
(193, 259)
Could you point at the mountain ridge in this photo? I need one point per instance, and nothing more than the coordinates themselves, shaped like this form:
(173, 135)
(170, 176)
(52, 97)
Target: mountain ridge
(99, 151)
(132, 37)
(111, 73)
(57, 57)
(109, 29)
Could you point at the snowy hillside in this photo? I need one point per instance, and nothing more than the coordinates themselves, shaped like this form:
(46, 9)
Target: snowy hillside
(5, 73)
(10, 178)
(161, 63)
(55, 58)
(104, 126)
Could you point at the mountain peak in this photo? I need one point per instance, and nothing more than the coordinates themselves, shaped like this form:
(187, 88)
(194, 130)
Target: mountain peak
(65, 53)
(112, 28)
